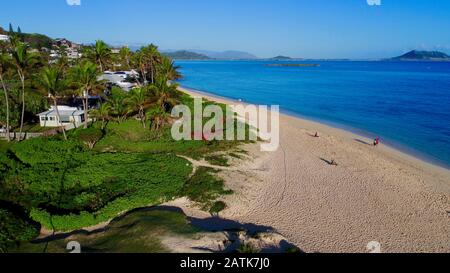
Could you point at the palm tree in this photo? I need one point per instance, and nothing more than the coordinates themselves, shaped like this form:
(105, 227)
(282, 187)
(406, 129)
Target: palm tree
(5, 64)
(100, 54)
(125, 55)
(85, 76)
(139, 100)
(119, 108)
(165, 93)
(168, 69)
(102, 113)
(51, 81)
(153, 56)
(147, 59)
(23, 62)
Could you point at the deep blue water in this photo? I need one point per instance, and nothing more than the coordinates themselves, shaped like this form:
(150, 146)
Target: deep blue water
(407, 104)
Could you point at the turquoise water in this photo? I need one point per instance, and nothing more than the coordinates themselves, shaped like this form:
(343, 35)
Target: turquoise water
(407, 104)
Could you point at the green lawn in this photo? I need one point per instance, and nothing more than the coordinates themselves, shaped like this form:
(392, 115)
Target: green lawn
(4, 146)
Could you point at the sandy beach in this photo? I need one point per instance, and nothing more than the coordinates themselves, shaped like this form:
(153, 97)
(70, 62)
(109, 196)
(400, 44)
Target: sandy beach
(373, 194)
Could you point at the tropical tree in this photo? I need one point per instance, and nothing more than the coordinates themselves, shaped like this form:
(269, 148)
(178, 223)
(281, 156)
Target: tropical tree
(165, 93)
(153, 57)
(100, 54)
(125, 55)
(147, 59)
(85, 77)
(118, 104)
(103, 113)
(23, 61)
(158, 117)
(139, 99)
(52, 82)
(5, 65)
(167, 68)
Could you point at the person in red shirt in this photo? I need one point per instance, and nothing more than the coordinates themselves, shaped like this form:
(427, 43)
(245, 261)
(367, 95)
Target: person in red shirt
(376, 141)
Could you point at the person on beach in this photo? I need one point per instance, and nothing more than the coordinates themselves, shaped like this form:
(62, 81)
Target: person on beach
(376, 141)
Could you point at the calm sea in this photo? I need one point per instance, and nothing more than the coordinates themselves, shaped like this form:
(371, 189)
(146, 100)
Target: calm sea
(407, 104)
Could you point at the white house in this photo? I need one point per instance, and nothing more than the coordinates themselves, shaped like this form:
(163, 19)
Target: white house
(122, 79)
(69, 116)
(4, 38)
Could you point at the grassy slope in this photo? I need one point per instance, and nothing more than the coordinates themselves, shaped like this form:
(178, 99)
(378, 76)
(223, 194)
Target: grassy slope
(129, 139)
(137, 232)
(4, 146)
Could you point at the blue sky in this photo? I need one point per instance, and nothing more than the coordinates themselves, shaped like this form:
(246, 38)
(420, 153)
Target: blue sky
(297, 28)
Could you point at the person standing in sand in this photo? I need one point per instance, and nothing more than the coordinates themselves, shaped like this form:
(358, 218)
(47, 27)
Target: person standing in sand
(376, 141)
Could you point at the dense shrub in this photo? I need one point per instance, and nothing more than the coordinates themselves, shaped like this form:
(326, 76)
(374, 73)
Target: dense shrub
(14, 229)
(80, 188)
(204, 187)
(90, 136)
(217, 207)
(46, 151)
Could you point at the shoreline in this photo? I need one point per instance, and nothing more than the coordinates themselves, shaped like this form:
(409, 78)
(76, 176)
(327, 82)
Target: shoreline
(401, 201)
(374, 193)
(401, 149)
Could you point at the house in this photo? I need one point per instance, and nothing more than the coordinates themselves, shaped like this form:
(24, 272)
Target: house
(122, 79)
(4, 38)
(73, 54)
(69, 116)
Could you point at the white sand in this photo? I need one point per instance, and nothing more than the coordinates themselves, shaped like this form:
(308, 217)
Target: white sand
(374, 194)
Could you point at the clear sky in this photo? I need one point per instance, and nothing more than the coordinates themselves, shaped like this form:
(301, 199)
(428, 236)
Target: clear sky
(297, 28)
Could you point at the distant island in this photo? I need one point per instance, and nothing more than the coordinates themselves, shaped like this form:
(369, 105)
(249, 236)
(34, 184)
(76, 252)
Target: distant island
(416, 55)
(195, 54)
(280, 58)
(186, 55)
(293, 65)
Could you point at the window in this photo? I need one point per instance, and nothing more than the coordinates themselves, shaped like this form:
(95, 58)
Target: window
(42, 118)
(65, 119)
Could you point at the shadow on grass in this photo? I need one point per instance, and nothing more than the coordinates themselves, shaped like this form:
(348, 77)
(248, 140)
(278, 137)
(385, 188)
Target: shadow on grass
(231, 229)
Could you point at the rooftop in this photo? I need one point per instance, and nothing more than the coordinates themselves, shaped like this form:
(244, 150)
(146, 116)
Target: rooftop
(63, 111)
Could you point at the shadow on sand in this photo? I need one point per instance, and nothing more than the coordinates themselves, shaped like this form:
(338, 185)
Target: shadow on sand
(231, 229)
(363, 142)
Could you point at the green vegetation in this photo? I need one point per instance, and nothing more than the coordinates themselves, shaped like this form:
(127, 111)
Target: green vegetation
(15, 229)
(218, 160)
(66, 187)
(204, 187)
(123, 158)
(217, 207)
(90, 136)
(246, 249)
(4, 146)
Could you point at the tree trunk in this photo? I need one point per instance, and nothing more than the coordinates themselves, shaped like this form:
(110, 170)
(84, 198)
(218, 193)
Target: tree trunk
(22, 79)
(101, 65)
(59, 118)
(142, 116)
(153, 76)
(86, 106)
(8, 138)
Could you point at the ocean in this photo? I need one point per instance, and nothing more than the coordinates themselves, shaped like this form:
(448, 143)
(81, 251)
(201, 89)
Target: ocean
(406, 104)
